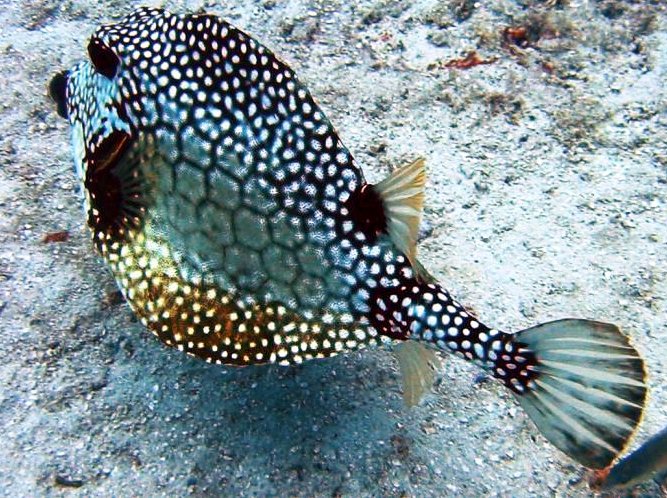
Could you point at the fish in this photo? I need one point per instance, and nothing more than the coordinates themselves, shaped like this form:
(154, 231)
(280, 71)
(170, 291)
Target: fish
(647, 462)
(242, 231)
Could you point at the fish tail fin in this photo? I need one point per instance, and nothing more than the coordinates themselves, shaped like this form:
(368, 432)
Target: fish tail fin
(581, 382)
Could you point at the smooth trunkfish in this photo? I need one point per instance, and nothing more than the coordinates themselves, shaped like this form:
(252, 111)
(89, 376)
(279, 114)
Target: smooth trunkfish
(241, 230)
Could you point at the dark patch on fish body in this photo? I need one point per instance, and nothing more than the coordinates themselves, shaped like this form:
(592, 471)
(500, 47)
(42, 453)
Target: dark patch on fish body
(102, 57)
(366, 209)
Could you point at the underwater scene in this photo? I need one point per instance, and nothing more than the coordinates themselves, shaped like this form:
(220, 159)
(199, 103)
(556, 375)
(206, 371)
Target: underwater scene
(386, 248)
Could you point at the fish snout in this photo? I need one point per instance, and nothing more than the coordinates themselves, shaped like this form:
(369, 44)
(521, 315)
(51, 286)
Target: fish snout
(58, 92)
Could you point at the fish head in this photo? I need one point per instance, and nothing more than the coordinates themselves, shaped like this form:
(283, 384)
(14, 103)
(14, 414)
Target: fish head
(103, 98)
(89, 95)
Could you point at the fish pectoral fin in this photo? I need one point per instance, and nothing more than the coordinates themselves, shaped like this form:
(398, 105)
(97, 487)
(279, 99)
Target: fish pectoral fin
(402, 195)
(418, 365)
(116, 186)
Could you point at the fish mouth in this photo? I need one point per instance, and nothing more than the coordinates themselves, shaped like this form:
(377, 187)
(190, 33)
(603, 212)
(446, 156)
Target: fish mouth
(58, 92)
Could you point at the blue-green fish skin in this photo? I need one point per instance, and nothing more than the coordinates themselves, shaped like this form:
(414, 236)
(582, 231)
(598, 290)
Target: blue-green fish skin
(241, 230)
(647, 462)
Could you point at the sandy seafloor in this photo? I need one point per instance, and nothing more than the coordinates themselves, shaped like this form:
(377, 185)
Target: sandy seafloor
(547, 198)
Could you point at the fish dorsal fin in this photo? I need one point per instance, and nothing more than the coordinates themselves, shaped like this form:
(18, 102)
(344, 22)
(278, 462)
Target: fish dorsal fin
(402, 195)
(418, 365)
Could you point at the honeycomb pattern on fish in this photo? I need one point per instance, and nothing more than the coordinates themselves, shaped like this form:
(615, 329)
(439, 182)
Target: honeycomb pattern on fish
(248, 181)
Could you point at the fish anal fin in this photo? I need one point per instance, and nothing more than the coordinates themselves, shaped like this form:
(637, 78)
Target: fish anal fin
(418, 365)
(402, 195)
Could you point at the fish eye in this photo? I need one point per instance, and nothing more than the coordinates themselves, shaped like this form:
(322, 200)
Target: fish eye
(103, 58)
(58, 92)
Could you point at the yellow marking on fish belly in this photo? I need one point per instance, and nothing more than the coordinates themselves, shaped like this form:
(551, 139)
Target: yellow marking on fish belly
(208, 322)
